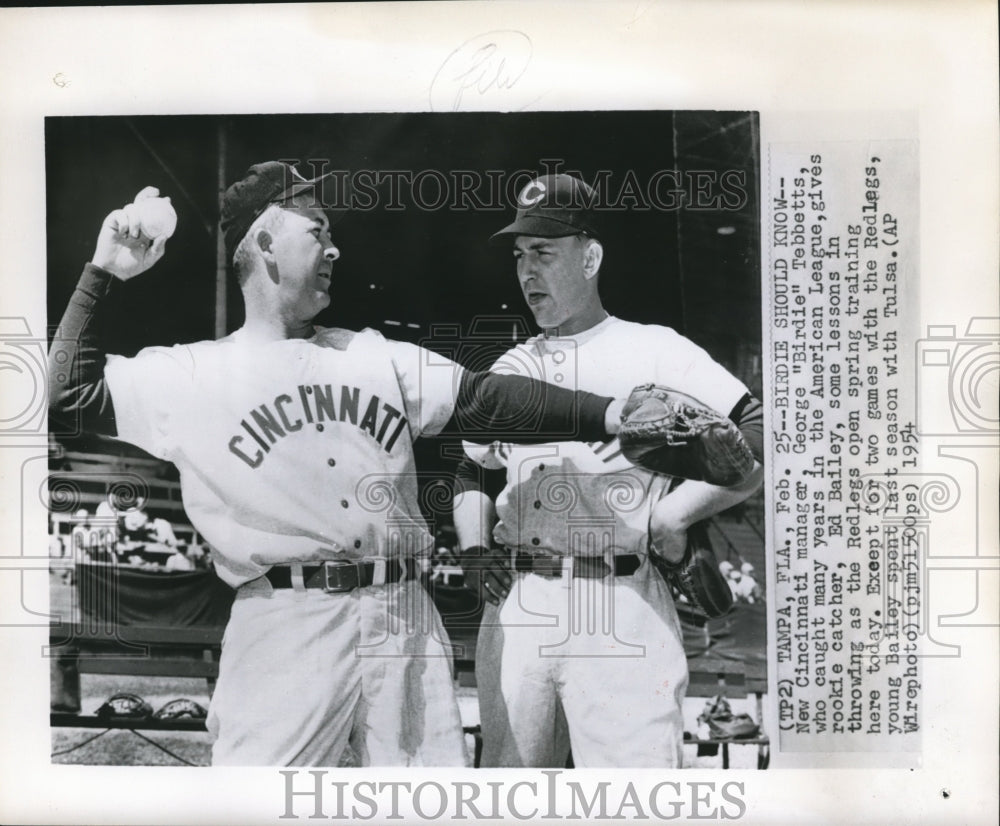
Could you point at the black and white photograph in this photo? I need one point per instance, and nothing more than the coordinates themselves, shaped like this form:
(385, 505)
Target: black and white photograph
(500, 412)
(455, 603)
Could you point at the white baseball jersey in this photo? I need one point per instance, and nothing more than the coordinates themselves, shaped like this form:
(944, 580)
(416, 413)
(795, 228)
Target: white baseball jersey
(289, 451)
(599, 663)
(555, 490)
(300, 451)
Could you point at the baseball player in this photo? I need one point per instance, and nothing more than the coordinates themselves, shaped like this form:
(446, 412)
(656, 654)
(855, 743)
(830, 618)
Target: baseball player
(294, 446)
(586, 648)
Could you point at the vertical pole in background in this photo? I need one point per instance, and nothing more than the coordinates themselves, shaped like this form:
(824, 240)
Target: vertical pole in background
(681, 273)
(221, 277)
(753, 365)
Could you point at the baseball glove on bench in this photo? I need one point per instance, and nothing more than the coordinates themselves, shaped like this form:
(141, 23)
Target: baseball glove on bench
(669, 432)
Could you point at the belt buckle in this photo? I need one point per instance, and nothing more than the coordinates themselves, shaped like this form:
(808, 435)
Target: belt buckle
(340, 577)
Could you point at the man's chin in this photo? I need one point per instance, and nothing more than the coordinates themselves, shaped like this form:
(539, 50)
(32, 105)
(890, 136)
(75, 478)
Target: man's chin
(545, 321)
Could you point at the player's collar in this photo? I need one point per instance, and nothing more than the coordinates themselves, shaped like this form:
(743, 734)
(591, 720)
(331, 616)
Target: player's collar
(246, 338)
(582, 336)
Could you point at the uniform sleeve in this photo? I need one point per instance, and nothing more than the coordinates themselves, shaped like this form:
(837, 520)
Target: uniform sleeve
(78, 393)
(145, 389)
(112, 395)
(523, 410)
(429, 384)
(749, 417)
(686, 367)
(443, 397)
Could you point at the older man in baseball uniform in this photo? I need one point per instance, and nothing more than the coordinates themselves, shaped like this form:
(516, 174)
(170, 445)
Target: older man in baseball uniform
(294, 445)
(581, 642)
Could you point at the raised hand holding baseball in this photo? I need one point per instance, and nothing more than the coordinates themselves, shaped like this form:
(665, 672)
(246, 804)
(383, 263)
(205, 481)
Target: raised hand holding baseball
(132, 239)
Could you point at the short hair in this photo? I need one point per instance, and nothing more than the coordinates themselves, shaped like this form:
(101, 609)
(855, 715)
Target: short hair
(245, 253)
(584, 237)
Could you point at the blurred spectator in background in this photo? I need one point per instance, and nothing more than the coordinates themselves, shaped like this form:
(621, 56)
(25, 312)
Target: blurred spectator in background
(80, 535)
(445, 562)
(741, 581)
(178, 561)
(138, 528)
(89, 540)
(446, 546)
(105, 522)
(196, 553)
(59, 565)
(748, 588)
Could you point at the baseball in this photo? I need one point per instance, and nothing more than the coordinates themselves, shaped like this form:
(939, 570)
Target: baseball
(157, 217)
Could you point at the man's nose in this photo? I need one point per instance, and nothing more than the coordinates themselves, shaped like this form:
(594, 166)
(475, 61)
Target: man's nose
(331, 253)
(525, 270)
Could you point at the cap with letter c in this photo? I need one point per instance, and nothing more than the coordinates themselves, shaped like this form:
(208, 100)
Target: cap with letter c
(553, 206)
(271, 182)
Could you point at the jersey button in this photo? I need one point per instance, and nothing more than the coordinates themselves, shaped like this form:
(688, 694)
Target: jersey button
(538, 504)
(343, 503)
(541, 467)
(331, 462)
(536, 541)
(357, 543)
(319, 427)
(308, 389)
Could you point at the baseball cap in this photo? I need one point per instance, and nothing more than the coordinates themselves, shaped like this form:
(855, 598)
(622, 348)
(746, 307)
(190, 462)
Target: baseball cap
(553, 206)
(272, 182)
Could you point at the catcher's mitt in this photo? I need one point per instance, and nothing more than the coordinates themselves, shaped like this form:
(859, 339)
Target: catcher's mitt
(696, 580)
(182, 707)
(124, 704)
(669, 432)
(722, 724)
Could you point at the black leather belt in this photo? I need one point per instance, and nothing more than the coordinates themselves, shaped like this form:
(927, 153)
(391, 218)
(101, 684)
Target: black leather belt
(584, 567)
(340, 577)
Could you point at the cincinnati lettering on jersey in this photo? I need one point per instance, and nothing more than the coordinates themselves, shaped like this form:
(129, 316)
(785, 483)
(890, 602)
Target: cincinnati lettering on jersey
(314, 404)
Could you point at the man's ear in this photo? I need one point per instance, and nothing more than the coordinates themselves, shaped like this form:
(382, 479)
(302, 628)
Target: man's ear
(264, 241)
(592, 257)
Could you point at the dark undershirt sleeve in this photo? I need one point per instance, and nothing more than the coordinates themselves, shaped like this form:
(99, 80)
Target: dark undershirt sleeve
(518, 409)
(79, 399)
(748, 415)
(471, 476)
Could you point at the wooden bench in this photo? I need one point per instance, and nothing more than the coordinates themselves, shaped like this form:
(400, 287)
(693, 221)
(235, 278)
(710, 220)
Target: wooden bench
(135, 650)
(141, 650)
